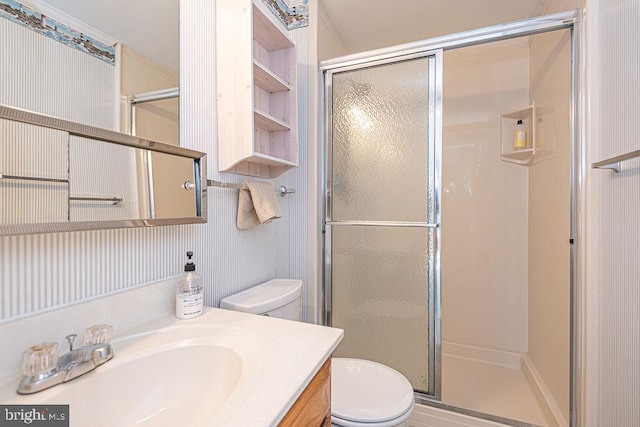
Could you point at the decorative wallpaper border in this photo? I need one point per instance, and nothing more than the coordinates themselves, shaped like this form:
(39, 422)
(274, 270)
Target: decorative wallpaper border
(42, 24)
(292, 17)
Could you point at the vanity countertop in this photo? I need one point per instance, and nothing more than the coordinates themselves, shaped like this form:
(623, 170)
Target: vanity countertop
(223, 368)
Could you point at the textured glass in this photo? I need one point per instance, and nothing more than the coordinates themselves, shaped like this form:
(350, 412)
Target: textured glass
(381, 296)
(381, 142)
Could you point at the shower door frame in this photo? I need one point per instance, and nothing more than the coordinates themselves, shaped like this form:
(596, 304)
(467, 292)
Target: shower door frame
(572, 20)
(433, 169)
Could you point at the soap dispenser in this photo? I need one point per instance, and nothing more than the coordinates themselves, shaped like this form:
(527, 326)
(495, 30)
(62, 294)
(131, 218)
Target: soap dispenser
(189, 292)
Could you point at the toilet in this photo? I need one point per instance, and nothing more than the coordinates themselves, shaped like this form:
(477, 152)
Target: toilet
(363, 393)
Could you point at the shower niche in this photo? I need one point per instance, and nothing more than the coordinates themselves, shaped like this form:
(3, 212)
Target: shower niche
(540, 135)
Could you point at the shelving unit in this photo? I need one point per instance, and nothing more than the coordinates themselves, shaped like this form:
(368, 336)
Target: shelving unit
(540, 135)
(257, 107)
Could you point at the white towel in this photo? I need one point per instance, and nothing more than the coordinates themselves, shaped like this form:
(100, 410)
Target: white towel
(257, 205)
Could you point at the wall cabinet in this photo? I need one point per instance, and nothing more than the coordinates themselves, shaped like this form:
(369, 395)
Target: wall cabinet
(540, 138)
(256, 91)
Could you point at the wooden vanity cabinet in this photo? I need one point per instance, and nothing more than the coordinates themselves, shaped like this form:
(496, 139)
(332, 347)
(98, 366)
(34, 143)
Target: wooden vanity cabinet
(313, 407)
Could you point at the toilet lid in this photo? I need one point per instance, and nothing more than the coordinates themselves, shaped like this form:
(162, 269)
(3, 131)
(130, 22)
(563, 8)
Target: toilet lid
(366, 391)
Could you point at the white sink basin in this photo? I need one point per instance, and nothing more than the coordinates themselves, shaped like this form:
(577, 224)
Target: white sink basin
(223, 368)
(185, 375)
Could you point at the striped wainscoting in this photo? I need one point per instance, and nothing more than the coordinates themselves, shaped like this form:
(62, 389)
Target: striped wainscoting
(22, 155)
(298, 204)
(613, 228)
(46, 271)
(43, 75)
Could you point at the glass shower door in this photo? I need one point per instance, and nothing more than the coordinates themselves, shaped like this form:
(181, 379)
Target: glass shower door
(382, 213)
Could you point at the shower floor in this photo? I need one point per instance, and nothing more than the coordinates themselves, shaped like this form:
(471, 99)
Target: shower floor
(480, 386)
(489, 388)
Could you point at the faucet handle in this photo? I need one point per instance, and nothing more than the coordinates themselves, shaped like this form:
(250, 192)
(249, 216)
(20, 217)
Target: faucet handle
(71, 338)
(98, 334)
(40, 359)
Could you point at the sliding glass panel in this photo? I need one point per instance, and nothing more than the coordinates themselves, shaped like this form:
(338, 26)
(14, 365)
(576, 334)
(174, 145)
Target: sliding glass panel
(382, 296)
(380, 142)
(382, 215)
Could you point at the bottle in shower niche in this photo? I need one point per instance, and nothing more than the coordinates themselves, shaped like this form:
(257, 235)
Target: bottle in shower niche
(520, 140)
(189, 292)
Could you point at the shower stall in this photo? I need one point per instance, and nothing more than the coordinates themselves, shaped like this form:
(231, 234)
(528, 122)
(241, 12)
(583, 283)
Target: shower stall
(444, 244)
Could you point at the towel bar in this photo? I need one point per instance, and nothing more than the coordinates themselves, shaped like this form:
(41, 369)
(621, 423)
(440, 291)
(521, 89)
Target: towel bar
(614, 162)
(33, 178)
(283, 190)
(115, 200)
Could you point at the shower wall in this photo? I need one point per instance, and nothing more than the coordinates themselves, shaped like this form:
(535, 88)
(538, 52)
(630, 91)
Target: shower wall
(505, 227)
(549, 222)
(484, 200)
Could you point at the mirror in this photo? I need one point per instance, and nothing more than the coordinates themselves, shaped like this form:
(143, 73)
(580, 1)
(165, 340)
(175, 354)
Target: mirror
(59, 175)
(92, 65)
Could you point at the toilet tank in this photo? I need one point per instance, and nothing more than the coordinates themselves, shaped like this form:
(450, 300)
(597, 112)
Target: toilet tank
(280, 298)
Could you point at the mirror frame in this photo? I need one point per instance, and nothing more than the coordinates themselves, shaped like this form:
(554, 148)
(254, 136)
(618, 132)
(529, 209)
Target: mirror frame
(78, 129)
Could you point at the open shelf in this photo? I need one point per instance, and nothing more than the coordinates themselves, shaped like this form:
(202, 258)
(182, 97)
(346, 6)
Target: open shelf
(269, 123)
(271, 160)
(539, 123)
(523, 156)
(267, 34)
(262, 165)
(257, 124)
(267, 80)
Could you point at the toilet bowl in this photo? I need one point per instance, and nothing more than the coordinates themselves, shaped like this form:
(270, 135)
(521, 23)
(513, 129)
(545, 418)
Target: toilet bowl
(367, 393)
(363, 393)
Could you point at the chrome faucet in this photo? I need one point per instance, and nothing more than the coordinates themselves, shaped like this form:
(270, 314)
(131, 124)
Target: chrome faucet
(44, 369)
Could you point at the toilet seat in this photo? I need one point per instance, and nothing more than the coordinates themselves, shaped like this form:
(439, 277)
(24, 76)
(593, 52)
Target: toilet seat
(364, 392)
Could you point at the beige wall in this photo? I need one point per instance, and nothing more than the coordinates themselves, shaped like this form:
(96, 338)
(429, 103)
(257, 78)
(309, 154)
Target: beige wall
(330, 43)
(156, 120)
(549, 220)
(552, 6)
(484, 200)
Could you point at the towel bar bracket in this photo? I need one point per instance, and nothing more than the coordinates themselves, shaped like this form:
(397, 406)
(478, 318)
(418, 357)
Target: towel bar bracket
(284, 191)
(615, 167)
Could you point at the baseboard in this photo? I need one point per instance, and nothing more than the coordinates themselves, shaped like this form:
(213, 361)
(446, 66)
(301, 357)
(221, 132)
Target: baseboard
(426, 416)
(508, 359)
(548, 404)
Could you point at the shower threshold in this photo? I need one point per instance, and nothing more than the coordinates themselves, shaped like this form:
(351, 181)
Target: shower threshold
(422, 399)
